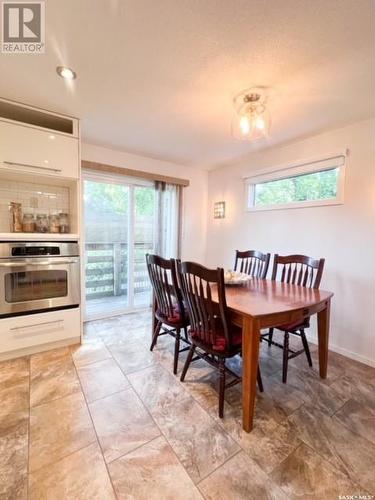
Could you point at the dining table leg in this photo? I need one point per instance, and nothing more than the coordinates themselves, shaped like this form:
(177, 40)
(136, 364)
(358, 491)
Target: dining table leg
(250, 359)
(323, 335)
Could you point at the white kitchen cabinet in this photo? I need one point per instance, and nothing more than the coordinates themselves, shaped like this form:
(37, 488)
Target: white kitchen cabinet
(21, 332)
(27, 149)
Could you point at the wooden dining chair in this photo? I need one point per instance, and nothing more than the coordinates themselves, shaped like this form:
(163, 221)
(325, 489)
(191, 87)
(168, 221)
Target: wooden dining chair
(213, 338)
(169, 307)
(303, 271)
(252, 262)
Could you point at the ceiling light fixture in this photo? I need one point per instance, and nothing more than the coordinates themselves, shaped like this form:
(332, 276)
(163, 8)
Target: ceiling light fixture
(66, 73)
(251, 120)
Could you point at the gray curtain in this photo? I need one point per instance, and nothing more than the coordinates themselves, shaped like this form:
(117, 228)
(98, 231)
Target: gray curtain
(168, 230)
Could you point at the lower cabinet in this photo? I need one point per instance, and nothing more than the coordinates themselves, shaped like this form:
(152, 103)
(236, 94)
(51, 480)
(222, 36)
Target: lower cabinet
(22, 332)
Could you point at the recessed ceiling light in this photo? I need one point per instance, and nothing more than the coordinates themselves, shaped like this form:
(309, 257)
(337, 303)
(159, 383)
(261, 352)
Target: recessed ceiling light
(66, 73)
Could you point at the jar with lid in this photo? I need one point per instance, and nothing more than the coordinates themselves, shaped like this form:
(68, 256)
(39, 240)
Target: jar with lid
(64, 222)
(28, 223)
(41, 224)
(54, 222)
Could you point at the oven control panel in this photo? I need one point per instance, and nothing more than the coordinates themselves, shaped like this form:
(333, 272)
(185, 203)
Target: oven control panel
(14, 250)
(34, 251)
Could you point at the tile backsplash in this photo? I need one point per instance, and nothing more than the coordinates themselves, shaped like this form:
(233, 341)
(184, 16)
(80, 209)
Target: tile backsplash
(35, 198)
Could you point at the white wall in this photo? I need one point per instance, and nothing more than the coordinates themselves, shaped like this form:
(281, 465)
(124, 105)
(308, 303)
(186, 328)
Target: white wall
(344, 235)
(194, 196)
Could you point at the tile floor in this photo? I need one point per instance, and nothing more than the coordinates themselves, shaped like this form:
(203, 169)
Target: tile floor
(108, 419)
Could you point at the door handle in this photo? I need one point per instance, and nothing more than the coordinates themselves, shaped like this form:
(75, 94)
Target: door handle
(27, 165)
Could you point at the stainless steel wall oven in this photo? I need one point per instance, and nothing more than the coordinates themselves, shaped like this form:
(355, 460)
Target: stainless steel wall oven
(38, 276)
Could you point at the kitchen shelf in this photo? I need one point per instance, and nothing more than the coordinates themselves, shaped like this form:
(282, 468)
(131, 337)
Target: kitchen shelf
(38, 237)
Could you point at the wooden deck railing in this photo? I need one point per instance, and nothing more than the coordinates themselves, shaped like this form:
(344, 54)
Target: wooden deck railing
(107, 269)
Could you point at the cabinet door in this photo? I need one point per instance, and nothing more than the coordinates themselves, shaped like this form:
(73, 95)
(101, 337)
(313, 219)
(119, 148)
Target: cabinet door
(31, 150)
(23, 332)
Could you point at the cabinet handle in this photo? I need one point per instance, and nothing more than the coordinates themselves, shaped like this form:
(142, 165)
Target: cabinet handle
(37, 324)
(12, 164)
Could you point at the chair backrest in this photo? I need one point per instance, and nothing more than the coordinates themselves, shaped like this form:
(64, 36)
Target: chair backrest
(163, 277)
(298, 270)
(208, 319)
(252, 262)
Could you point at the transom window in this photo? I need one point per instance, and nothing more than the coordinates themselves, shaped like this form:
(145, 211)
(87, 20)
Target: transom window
(320, 182)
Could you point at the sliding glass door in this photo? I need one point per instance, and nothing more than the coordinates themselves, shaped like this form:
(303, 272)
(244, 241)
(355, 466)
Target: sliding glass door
(119, 223)
(144, 232)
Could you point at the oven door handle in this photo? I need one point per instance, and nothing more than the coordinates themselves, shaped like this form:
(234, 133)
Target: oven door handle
(50, 262)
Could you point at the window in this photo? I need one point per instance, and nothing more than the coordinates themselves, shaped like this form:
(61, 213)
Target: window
(319, 182)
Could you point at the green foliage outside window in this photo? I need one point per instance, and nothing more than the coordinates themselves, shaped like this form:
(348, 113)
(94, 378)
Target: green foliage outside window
(106, 197)
(306, 187)
(114, 198)
(144, 201)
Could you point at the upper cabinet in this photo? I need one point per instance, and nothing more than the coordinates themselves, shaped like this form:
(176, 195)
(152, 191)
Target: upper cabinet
(35, 141)
(32, 150)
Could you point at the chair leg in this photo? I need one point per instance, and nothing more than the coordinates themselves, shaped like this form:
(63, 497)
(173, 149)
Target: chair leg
(221, 386)
(270, 336)
(187, 362)
(260, 381)
(186, 333)
(176, 350)
(285, 356)
(306, 347)
(155, 335)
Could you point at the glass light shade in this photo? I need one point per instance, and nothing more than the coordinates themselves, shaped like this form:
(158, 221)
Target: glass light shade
(251, 125)
(244, 125)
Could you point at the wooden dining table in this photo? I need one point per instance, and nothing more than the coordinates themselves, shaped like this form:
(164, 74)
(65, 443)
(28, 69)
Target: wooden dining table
(265, 304)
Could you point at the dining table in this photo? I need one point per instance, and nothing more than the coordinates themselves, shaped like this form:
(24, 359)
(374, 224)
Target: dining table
(262, 304)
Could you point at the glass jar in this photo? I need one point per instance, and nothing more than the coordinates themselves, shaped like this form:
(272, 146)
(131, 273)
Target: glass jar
(15, 217)
(54, 222)
(41, 224)
(28, 223)
(64, 223)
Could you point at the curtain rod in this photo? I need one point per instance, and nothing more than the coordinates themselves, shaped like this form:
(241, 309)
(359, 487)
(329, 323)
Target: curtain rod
(102, 167)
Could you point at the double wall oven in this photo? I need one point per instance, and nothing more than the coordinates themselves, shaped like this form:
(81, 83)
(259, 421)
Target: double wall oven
(38, 277)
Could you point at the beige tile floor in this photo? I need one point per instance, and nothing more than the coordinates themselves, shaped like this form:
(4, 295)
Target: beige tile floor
(108, 419)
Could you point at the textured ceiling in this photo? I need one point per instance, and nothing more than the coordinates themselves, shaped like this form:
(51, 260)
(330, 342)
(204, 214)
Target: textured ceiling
(157, 77)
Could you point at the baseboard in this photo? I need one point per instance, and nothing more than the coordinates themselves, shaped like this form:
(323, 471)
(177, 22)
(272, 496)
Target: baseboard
(344, 352)
(39, 348)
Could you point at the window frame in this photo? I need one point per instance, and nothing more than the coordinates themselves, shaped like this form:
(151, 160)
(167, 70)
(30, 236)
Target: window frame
(296, 169)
